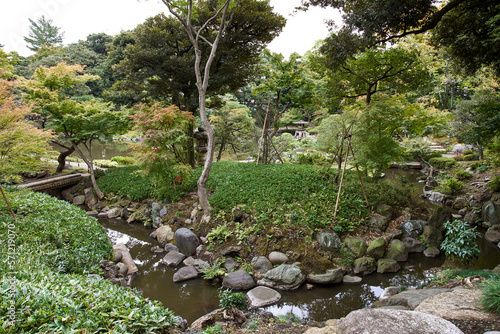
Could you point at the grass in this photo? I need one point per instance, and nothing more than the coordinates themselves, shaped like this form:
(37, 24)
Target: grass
(49, 250)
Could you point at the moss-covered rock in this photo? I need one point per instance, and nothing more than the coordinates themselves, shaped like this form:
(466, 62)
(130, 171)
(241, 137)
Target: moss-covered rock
(364, 266)
(387, 266)
(432, 236)
(397, 251)
(357, 246)
(377, 248)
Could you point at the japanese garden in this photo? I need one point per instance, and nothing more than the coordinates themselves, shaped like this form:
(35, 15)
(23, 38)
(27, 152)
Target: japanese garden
(181, 177)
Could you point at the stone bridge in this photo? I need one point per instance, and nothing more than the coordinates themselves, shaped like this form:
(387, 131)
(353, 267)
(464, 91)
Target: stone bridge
(54, 182)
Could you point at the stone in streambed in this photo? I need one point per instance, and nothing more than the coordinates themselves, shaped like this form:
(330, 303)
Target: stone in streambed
(185, 273)
(263, 296)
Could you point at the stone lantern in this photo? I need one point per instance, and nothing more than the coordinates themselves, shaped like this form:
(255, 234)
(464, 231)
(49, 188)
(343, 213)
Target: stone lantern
(201, 137)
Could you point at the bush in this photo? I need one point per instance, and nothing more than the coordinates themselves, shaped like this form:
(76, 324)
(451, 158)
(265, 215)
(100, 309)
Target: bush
(237, 299)
(460, 241)
(458, 158)
(124, 161)
(452, 187)
(471, 157)
(494, 185)
(105, 163)
(463, 175)
(467, 152)
(491, 295)
(442, 163)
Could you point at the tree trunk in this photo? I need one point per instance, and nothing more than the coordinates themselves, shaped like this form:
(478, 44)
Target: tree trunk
(90, 165)
(61, 159)
(219, 156)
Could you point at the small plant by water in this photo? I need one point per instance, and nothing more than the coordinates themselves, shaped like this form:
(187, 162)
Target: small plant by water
(460, 241)
(228, 298)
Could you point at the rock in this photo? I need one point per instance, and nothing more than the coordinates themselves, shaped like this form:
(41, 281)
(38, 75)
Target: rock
(187, 241)
(114, 213)
(79, 200)
(93, 213)
(496, 270)
(230, 264)
(376, 248)
(232, 251)
(208, 319)
(396, 234)
(397, 251)
(189, 261)
(413, 246)
(490, 213)
(122, 268)
(126, 258)
(438, 217)
(387, 266)
(385, 210)
(432, 252)
(263, 296)
(102, 215)
(188, 222)
(471, 217)
(277, 258)
(437, 197)
(200, 265)
(261, 264)
(283, 277)
(356, 245)
(413, 228)
(463, 304)
(364, 265)
(388, 293)
(380, 321)
(238, 280)
(379, 223)
(132, 218)
(332, 276)
(117, 256)
(170, 248)
(153, 234)
(493, 234)
(66, 195)
(432, 236)
(194, 214)
(413, 298)
(238, 215)
(124, 214)
(185, 273)
(163, 211)
(351, 279)
(157, 249)
(329, 241)
(164, 235)
(173, 258)
(155, 214)
(90, 199)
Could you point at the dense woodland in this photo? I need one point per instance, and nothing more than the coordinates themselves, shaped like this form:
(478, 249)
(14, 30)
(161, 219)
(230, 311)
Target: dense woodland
(396, 78)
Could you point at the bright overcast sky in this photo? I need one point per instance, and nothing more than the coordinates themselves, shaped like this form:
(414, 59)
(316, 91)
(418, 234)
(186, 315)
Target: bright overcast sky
(77, 19)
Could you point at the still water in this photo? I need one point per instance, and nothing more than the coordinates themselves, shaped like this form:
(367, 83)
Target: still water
(105, 150)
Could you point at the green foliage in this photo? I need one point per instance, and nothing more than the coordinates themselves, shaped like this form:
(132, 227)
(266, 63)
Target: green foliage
(289, 317)
(66, 239)
(458, 157)
(494, 185)
(460, 241)
(491, 295)
(442, 162)
(215, 329)
(43, 34)
(467, 152)
(216, 270)
(132, 183)
(451, 187)
(471, 157)
(124, 161)
(57, 303)
(462, 175)
(220, 234)
(227, 298)
(105, 163)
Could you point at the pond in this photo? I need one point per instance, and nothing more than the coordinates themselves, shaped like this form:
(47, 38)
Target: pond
(105, 150)
(195, 298)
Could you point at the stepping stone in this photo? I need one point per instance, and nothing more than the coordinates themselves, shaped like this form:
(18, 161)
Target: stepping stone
(263, 296)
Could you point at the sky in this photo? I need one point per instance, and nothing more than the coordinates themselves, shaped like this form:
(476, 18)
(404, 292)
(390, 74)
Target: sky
(77, 19)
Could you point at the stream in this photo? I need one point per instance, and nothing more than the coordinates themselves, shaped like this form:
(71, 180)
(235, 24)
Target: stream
(195, 298)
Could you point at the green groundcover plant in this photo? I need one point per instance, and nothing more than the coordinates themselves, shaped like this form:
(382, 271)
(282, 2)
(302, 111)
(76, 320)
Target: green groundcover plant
(46, 257)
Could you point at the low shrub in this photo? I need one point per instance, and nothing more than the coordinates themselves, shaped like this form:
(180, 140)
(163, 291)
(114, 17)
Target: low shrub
(227, 298)
(452, 187)
(471, 157)
(460, 241)
(468, 152)
(491, 295)
(124, 161)
(442, 162)
(494, 185)
(458, 158)
(105, 163)
(462, 175)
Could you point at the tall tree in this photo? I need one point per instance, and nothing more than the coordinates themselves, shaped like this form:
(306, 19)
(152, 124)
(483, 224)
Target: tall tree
(468, 27)
(43, 34)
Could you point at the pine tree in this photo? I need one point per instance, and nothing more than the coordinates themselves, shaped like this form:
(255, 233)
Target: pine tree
(43, 35)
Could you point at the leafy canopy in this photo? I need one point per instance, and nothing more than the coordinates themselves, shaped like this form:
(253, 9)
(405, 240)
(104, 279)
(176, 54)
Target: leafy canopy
(43, 34)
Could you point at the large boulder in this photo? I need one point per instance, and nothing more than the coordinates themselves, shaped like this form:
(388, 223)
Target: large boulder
(432, 236)
(261, 264)
(238, 280)
(185, 273)
(462, 304)
(186, 241)
(413, 228)
(114, 213)
(364, 266)
(490, 213)
(90, 199)
(413, 246)
(173, 258)
(331, 276)
(397, 251)
(263, 296)
(493, 234)
(376, 248)
(329, 241)
(357, 246)
(385, 210)
(412, 298)
(283, 277)
(164, 235)
(432, 252)
(382, 321)
(387, 266)
(439, 216)
(79, 200)
(379, 223)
